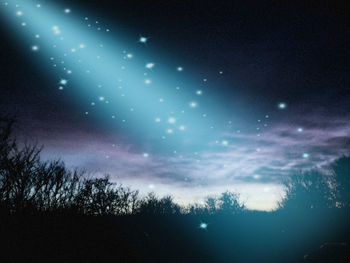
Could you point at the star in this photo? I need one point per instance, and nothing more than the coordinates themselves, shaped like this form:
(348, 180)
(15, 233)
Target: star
(180, 69)
(300, 129)
(63, 81)
(171, 120)
(143, 39)
(193, 104)
(305, 155)
(203, 226)
(282, 105)
(149, 65)
(224, 143)
(35, 48)
(199, 92)
(67, 10)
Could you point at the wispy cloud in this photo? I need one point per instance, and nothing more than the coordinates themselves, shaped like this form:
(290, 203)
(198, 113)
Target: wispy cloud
(253, 167)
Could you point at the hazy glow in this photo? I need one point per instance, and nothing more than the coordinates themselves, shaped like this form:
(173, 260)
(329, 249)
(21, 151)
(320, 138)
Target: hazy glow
(166, 118)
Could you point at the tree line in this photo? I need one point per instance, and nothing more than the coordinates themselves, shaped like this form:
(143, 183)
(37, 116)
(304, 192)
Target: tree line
(29, 184)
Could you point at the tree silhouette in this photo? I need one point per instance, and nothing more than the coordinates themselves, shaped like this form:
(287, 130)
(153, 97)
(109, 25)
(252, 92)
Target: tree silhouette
(151, 204)
(308, 190)
(229, 203)
(341, 171)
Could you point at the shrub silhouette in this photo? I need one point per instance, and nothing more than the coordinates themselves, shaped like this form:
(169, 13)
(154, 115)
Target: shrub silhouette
(151, 204)
(227, 203)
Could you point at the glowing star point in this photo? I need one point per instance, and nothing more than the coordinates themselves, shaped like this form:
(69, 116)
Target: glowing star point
(67, 10)
(300, 129)
(19, 13)
(282, 105)
(179, 68)
(305, 155)
(193, 104)
(157, 119)
(101, 98)
(148, 81)
(150, 65)
(182, 128)
(63, 82)
(203, 226)
(145, 155)
(169, 131)
(35, 48)
(199, 92)
(143, 39)
(171, 120)
(224, 143)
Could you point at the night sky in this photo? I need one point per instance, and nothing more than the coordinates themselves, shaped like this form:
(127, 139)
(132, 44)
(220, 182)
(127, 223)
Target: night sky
(188, 98)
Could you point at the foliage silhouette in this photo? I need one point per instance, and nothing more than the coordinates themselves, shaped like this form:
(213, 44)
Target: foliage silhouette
(159, 206)
(308, 190)
(341, 172)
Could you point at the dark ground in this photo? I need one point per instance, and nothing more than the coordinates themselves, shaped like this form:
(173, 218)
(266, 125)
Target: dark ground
(250, 237)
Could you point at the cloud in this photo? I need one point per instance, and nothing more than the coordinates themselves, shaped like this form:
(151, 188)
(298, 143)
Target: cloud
(248, 162)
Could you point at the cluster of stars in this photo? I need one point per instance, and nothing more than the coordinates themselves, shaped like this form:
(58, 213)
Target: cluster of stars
(147, 80)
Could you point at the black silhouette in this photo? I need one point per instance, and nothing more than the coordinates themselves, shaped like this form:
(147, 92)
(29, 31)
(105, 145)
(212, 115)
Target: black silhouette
(49, 213)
